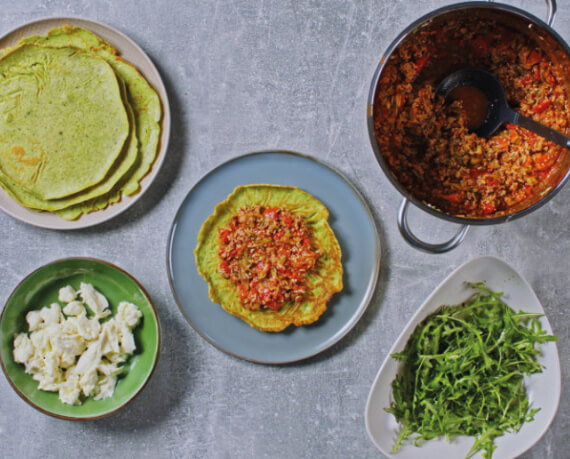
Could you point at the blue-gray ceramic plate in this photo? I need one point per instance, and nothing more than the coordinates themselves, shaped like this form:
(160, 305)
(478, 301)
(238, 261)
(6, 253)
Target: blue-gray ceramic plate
(350, 219)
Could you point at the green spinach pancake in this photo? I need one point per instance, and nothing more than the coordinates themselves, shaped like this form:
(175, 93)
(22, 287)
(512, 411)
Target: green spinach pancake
(143, 98)
(102, 125)
(126, 162)
(63, 120)
(270, 257)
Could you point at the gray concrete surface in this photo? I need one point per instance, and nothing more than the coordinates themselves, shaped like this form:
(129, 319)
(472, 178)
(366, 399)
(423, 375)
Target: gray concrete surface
(245, 76)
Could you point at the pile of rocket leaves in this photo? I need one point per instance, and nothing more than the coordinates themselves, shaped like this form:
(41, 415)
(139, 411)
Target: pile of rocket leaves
(462, 373)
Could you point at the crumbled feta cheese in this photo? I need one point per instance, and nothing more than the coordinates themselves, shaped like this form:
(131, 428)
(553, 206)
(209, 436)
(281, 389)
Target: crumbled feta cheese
(67, 360)
(128, 313)
(40, 339)
(106, 387)
(71, 352)
(34, 320)
(88, 382)
(88, 328)
(51, 315)
(108, 368)
(69, 390)
(127, 340)
(94, 300)
(74, 308)
(68, 344)
(89, 359)
(23, 348)
(67, 294)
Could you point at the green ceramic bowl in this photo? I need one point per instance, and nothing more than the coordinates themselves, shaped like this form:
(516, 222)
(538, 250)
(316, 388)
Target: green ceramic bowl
(41, 288)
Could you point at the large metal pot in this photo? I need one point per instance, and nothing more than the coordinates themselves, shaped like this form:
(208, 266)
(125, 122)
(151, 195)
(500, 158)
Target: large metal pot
(513, 17)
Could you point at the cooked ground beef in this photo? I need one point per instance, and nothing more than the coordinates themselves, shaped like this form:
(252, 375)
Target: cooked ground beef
(426, 143)
(266, 252)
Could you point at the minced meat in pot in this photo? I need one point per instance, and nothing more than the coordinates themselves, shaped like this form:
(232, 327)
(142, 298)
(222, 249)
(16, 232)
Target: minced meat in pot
(427, 144)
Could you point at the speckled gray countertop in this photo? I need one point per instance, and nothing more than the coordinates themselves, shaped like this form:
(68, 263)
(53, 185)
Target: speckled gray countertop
(245, 76)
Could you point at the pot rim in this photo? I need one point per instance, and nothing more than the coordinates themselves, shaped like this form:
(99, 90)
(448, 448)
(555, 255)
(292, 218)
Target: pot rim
(370, 109)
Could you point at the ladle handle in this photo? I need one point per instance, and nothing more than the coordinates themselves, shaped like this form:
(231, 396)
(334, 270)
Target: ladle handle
(413, 240)
(541, 130)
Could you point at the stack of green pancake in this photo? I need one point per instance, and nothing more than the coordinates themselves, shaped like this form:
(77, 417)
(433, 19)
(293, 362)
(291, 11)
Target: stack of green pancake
(79, 126)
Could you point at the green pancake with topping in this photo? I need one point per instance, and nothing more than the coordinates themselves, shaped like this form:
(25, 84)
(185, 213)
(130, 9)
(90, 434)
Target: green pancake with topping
(270, 257)
(63, 121)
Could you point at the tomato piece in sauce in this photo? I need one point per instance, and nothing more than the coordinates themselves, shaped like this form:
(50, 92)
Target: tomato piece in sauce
(270, 213)
(542, 106)
(455, 198)
(225, 268)
(536, 72)
(223, 235)
(543, 161)
(533, 58)
(488, 208)
(501, 143)
(421, 62)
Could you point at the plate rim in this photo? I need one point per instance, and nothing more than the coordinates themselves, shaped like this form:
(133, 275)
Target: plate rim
(155, 361)
(418, 312)
(164, 139)
(364, 303)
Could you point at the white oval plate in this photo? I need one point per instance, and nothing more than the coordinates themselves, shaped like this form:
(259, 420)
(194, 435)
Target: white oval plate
(131, 52)
(543, 389)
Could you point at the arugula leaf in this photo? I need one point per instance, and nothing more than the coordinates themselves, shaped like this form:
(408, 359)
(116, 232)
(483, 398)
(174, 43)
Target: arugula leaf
(462, 372)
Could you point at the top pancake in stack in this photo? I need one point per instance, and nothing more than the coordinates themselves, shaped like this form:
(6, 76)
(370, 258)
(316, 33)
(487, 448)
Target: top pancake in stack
(80, 126)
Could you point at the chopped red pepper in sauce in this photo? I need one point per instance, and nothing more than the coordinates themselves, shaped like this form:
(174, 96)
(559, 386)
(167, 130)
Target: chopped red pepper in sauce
(533, 58)
(541, 106)
(536, 71)
(266, 253)
(421, 62)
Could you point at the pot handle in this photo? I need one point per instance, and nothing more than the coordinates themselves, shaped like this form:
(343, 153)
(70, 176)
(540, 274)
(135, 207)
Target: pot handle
(413, 240)
(550, 11)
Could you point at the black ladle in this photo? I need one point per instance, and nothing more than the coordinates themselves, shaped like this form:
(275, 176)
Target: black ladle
(499, 111)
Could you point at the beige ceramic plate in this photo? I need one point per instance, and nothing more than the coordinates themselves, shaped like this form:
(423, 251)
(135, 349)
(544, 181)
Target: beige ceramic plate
(131, 52)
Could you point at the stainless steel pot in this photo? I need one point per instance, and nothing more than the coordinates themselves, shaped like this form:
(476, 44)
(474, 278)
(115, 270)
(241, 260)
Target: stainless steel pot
(509, 15)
